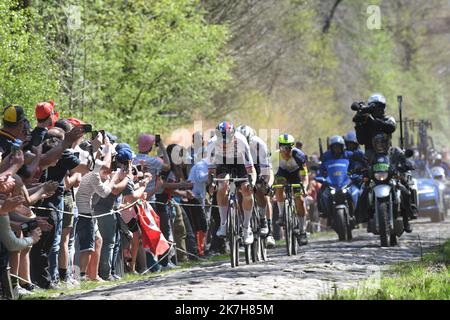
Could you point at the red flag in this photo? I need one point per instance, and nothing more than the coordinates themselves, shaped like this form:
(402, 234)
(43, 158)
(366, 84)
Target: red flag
(152, 237)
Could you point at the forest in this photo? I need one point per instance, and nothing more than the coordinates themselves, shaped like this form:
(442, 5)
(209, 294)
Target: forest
(158, 65)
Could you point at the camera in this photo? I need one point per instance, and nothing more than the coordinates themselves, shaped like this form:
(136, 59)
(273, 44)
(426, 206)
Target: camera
(29, 226)
(360, 107)
(87, 146)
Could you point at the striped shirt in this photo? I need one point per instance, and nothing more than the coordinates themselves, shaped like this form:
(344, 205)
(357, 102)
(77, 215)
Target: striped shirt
(90, 184)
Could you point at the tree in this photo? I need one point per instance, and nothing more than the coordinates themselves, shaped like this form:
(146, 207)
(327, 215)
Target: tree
(27, 73)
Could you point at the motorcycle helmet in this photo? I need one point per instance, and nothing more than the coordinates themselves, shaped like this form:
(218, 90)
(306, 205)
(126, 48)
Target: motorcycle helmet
(225, 131)
(381, 143)
(337, 140)
(247, 132)
(438, 173)
(378, 102)
(351, 142)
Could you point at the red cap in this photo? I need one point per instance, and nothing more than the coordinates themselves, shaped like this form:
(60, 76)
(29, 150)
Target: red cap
(75, 121)
(46, 109)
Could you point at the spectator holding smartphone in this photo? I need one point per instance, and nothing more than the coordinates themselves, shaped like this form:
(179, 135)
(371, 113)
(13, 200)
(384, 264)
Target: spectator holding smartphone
(98, 182)
(154, 165)
(108, 225)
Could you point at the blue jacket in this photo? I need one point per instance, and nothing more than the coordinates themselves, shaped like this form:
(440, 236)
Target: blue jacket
(356, 160)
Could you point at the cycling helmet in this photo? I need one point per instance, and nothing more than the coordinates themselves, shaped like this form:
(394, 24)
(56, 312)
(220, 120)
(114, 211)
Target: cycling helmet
(247, 132)
(286, 140)
(225, 131)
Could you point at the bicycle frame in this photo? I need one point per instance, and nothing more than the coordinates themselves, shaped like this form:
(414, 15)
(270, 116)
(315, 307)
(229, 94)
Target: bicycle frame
(290, 216)
(234, 220)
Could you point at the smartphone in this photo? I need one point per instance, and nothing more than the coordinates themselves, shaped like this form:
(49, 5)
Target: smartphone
(15, 147)
(103, 135)
(157, 140)
(94, 134)
(87, 127)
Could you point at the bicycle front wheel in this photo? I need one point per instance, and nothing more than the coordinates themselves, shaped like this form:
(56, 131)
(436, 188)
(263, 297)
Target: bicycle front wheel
(288, 227)
(232, 237)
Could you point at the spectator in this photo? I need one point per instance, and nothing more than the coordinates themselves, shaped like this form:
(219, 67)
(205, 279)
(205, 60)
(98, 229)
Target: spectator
(197, 216)
(98, 181)
(108, 225)
(46, 118)
(44, 256)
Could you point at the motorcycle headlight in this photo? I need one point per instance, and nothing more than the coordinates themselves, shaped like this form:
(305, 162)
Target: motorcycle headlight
(381, 176)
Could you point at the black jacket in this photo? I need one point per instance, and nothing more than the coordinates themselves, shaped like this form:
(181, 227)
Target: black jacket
(368, 127)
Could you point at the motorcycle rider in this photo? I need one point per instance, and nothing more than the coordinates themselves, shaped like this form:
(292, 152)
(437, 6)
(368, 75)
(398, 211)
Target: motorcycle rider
(265, 177)
(352, 145)
(402, 165)
(371, 121)
(439, 163)
(292, 170)
(336, 151)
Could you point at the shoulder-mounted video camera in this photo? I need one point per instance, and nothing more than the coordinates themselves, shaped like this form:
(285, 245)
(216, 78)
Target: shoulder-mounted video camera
(361, 107)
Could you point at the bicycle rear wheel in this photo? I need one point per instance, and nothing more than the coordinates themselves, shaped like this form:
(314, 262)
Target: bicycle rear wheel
(294, 235)
(263, 249)
(256, 245)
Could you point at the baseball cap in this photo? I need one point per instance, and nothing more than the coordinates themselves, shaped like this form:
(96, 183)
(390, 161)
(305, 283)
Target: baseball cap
(44, 110)
(112, 138)
(13, 114)
(75, 121)
(145, 142)
(124, 155)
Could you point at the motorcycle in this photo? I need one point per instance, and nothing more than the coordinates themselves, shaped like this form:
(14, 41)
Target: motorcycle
(385, 201)
(339, 198)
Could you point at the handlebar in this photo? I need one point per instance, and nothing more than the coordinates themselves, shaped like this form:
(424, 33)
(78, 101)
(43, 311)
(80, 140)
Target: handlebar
(232, 179)
(278, 186)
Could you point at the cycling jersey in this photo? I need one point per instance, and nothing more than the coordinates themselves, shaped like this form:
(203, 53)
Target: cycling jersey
(237, 152)
(296, 163)
(260, 155)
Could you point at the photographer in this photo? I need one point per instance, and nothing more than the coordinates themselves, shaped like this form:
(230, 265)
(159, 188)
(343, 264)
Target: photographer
(372, 120)
(154, 165)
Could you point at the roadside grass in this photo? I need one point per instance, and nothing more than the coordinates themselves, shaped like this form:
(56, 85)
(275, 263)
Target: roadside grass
(427, 279)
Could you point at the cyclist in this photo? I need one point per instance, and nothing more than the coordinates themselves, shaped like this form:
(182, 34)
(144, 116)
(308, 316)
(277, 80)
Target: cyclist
(263, 167)
(228, 152)
(292, 170)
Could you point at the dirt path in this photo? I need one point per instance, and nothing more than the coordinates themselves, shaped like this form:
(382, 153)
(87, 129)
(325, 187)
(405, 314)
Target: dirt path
(318, 266)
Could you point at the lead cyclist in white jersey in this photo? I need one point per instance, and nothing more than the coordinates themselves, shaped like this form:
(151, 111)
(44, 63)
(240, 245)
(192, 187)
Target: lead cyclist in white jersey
(264, 180)
(228, 152)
